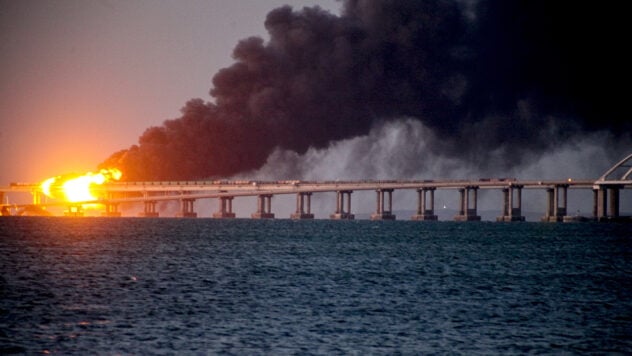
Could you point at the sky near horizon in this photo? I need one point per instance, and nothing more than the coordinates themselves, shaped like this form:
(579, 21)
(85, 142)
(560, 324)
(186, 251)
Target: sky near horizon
(80, 80)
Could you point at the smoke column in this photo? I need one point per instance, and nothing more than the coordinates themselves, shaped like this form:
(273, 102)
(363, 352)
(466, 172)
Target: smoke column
(512, 78)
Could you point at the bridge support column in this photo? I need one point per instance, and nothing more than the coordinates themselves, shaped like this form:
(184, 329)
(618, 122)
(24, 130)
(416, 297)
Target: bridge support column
(149, 210)
(111, 210)
(512, 209)
(74, 210)
(37, 197)
(264, 207)
(555, 212)
(467, 211)
(186, 209)
(423, 212)
(607, 203)
(303, 206)
(225, 208)
(550, 192)
(341, 213)
(384, 209)
(596, 211)
(4, 210)
(613, 208)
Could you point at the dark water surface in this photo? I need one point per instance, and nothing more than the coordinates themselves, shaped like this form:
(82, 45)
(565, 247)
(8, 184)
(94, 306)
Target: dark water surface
(203, 286)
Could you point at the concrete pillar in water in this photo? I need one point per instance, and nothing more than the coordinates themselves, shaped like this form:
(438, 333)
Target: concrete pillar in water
(5, 210)
(595, 203)
(340, 213)
(550, 200)
(225, 208)
(512, 209)
(562, 210)
(384, 209)
(425, 213)
(505, 201)
(74, 210)
(607, 203)
(264, 207)
(556, 212)
(149, 209)
(111, 210)
(602, 203)
(303, 206)
(186, 209)
(556, 201)
(37, 197)
(468, 211)
(516, 209)
(613, 211)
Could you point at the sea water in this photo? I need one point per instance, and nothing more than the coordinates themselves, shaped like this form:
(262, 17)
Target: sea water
(205, 286)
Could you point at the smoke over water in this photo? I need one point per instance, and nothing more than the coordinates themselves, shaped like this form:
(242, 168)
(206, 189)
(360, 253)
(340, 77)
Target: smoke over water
(403, 89)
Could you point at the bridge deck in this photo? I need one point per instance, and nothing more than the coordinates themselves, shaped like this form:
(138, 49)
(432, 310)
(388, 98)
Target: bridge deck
(173, 190)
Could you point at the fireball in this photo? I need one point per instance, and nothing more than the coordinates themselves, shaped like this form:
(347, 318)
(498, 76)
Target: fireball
(74, 188)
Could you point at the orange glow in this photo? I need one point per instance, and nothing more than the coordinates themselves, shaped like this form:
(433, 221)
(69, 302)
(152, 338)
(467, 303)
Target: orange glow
(73, 188)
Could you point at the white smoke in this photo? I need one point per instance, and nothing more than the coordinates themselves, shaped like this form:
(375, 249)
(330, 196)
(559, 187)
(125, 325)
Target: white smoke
(402, 149)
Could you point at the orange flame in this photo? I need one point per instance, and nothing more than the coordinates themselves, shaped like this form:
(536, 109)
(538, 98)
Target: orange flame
(73, 188)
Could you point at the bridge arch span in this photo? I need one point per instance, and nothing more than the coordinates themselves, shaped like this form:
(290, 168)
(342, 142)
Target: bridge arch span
(611, 174)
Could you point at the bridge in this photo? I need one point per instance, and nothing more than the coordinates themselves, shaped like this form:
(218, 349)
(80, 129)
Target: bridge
(606, 196)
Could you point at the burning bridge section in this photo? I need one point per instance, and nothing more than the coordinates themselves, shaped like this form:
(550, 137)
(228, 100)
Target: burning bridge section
(102, 192)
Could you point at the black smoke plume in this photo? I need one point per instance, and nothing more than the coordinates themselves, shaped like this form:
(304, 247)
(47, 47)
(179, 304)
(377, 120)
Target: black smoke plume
(515, 77)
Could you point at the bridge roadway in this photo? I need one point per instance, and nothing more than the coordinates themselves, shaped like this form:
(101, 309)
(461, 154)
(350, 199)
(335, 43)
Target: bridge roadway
(605, 189)
(149, 193)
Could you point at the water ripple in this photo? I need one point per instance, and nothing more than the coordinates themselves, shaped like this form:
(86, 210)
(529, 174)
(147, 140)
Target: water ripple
(129, 286)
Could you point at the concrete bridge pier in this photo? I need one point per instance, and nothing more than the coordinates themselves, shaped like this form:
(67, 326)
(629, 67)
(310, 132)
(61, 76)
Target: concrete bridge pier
(303, 206)
(555, 212)
(384, 209)
(186, 209)
(149, 209)
(341, 213)
(264, 207)
(512, 209)
(423, 212)
(225, 208)
(74, 210)
(37, 197)
(606, 203)
(4, 209)
(111, 210)
(467, 210)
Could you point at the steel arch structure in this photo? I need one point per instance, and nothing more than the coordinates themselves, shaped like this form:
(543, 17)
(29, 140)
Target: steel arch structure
(611, 177)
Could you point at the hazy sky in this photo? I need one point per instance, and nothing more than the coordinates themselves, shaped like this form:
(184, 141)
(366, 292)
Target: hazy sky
(82, 79)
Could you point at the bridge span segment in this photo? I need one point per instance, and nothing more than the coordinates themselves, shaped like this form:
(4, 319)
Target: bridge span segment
(606, 196)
